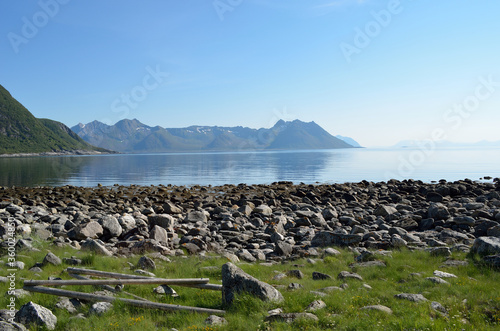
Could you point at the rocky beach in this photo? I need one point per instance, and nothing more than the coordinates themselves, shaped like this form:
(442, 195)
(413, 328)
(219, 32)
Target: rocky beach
(258, 222)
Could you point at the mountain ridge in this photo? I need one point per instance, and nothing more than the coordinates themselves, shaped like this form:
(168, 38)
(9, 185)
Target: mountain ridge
(132, 136)
(23, 133)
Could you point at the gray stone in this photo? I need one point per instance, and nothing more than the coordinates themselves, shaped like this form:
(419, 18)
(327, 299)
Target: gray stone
(127, 222)
(316, 305)
(51, 258)
(494, 231)
(70, 305)
(165, 289)
(411, 297)
(90, 230)
(164, 221)
(15, 265)
(31, 313)
(294, 286)
(442, 274)
(437, 280)
(196, 216)
(331, 252)
(100, 308)
(438, 307)
(295, 273)
(378, 308)
(385, 211)
(492, 260)
(170, 208)
(486, 246)
(438, 211)
(264, 210)
(144, 273)
(246, 255)
(350, 275)
(328, 238)
(464, 220)
(5, 326)
(235, 280)
(291, 317)
(146, 263)
(440, 251)
(111, 226)
(283, 248)
(96, 247)
(320, 276)
(215, 320)
(19, 293)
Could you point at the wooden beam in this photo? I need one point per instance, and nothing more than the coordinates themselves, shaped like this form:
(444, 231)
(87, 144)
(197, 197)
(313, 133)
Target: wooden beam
(163, 281)
(136, 303)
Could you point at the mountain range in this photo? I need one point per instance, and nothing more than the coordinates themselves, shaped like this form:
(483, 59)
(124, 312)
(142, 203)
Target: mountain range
(132, 136)
(21, 132)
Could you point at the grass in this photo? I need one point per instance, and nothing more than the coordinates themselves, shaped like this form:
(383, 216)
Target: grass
(472, 299)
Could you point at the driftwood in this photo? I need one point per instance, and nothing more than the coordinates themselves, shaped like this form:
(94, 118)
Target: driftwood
(110, 288)
(189, 281)
(98, 273)
(137, 303)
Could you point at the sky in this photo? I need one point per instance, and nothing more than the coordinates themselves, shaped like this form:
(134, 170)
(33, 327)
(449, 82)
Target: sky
(379, 71)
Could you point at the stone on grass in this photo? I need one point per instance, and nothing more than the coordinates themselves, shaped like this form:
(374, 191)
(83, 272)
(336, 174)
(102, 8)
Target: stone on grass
(291, 317)
(316, 305)
(165, 289)
(146, 263)
(442, 274)
(215, 320)
(486, 246)
(51, 258)
(437, 280)
(5, 326)
(320, 276)
(235, 280)
(438, 307)
(379, 308)
(100, 308)
(347, 274)
(32, 313)
(96, 247)
(295, 273)
(411, 297)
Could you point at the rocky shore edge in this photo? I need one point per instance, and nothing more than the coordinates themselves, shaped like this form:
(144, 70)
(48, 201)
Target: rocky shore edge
(258, 222)
(59, 153)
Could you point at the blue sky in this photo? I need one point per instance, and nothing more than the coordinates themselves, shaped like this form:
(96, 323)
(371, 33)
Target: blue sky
(376, 70)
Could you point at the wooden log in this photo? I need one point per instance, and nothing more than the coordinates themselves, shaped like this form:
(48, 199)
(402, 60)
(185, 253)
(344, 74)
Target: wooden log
(98, 273)
(192, 281)
(110, 288)
(136, 303)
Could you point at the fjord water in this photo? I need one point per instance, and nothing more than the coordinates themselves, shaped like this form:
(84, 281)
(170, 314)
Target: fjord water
(307, 166)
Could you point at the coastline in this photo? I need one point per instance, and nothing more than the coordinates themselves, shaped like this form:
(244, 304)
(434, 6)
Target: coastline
(60, 153)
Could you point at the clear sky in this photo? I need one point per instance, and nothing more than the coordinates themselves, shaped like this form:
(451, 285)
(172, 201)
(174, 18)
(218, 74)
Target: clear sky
(378, 71)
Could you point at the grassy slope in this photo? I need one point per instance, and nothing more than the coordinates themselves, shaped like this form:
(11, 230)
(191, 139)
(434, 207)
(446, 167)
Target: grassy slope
(21, 132)
(472, 299)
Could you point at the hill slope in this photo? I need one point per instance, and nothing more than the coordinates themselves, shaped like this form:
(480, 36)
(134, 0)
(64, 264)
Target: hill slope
(134, 137)
(21, 132)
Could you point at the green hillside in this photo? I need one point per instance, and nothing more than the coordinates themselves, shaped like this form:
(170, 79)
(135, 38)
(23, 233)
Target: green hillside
(21, 132)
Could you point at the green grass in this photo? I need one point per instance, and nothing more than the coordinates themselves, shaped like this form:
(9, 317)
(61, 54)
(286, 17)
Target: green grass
(472, 299)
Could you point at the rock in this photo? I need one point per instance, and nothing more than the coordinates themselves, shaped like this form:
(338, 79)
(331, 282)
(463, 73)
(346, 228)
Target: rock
(438, 307)
(4, 326)
(316, 305)
(438, 211)
(235, 280)
(378, 308)
(494, 231)
(295, 273)
(398, 242)
(164, 221)
(320, 276)
(111, 226)
(328, 238)
(50, 258)
(264, 210)
(31, 313)
(440, 251)
(100, 308)
(15, 265)
(92, 230)
(96, 247)
(350, 275)
(442, 274)
(283, 248)
(434, 197)
(170, 208)
(144, 273)
(127, 222)
(19, 293)
(331, 252)
(246, 255)
(385, 211)
(215, 320)
(437, 280)
(486, 246)
(492, 260)
(70, 305)
(146, 263)
(411, 297)
(294, 286)
(159, 234)
(165, 289)
(291, 317)
(196, 216)
(14, 209)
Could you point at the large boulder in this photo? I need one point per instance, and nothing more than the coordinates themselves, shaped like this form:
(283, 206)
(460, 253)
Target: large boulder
(111, 226)
(90, 229)
(486, 246)
(235, 280)
(31, 313)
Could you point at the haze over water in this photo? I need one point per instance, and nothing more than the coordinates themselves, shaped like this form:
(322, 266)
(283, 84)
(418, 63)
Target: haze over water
(308, 166)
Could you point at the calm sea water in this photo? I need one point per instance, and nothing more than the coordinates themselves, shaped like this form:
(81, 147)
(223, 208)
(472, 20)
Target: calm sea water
(308, 166)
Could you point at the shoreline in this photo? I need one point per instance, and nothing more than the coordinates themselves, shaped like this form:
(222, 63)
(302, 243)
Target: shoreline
(61, 153)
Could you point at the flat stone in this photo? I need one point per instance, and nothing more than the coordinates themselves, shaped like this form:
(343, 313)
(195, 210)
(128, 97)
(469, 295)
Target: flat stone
(437, 280)
(350, 275)
(378, 308)
(316, 305)
(411, 297)
(443, 274)
(291, 317)
(320, 276)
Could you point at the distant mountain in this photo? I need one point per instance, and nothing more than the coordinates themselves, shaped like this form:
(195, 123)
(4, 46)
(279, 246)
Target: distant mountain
(349, 140)
(21, 132)
(132, 136)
